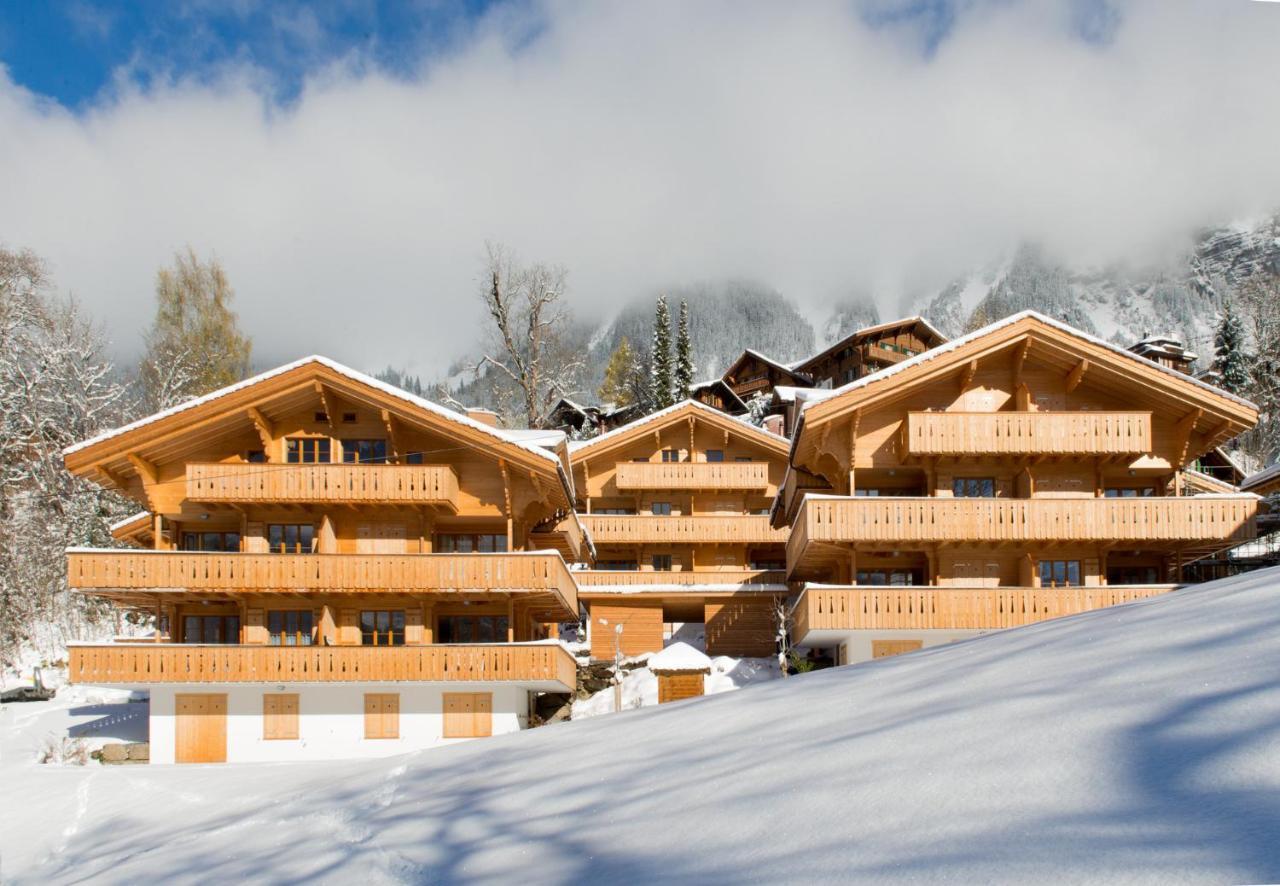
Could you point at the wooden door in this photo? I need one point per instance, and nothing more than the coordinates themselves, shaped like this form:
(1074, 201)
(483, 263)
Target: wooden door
(468, 714)
(886, 648)
(201, 728)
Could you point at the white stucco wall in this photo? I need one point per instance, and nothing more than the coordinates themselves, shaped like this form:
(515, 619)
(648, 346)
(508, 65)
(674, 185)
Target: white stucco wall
(331, 718)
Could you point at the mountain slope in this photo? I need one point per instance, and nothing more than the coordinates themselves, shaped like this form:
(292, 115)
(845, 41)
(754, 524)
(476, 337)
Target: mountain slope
(1135, 744)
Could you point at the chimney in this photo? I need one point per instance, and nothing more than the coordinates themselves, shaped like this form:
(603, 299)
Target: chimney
(773, 424)
(484, 416)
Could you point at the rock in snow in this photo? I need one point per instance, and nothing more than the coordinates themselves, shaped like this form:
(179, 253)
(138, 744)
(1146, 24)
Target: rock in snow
(1131, 744)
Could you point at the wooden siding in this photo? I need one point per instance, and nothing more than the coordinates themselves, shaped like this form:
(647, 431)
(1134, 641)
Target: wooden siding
(646, 529)
(951, 608)
(692, 475)
(168, 663)
(741, 628)
(609, 578)
(641, 628)
(675, 686)
(1027, 433)
(338, 572)
(319, 483)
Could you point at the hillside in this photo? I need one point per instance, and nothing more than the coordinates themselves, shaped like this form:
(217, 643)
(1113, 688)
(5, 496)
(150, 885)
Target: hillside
(1133, 744)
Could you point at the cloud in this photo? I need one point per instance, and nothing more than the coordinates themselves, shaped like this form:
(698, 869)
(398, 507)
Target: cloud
(819, 147)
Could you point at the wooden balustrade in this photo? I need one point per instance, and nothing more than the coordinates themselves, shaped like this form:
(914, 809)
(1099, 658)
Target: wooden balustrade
(510, 572)
(951, 608)
(1027, 433)
(616, 578)
(144, 663)
(354, 483)
(699, 529)
(727, 475)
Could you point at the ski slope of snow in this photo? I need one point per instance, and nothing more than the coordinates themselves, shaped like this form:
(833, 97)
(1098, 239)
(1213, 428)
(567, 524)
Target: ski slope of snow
(1136, 744)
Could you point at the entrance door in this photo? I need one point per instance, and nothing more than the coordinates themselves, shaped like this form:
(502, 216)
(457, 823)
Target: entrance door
(201, 728)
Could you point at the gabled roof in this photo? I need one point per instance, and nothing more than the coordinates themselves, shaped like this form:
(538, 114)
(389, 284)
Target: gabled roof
(788, 368)
(725, 389)
(670, 415)
(1262, 477)
(869, 331)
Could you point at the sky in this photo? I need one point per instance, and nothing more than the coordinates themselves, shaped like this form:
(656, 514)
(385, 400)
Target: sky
(347, 161)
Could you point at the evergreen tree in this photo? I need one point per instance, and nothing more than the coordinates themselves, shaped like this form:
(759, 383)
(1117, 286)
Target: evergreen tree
(194, 345)
(1230, 362)
(661, 372)
(616, 388)
(684, 359)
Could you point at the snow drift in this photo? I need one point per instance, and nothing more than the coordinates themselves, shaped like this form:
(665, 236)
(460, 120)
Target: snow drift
(1136, 743)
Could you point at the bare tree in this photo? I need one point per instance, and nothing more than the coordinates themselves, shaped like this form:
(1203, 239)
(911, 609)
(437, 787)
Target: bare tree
(532, 361)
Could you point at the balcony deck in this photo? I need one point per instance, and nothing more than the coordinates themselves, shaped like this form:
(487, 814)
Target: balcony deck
(697, 529)
(133, 570)
(220, 482)
(828, 609)
(729, 476)
(144, 663)
(955, 434)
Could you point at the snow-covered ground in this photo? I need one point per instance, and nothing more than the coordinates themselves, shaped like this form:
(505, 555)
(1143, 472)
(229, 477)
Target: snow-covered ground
(640, 685)
(1140, 743)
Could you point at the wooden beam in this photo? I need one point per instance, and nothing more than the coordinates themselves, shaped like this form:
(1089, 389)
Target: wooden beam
(266, 431)
(389, 422)
(1076, 375)
(691, 438)
(324, 402)
(1019, 360)
(1182, 434)
(506, 499)
(967, 373)
(115, 477)
(147, 470)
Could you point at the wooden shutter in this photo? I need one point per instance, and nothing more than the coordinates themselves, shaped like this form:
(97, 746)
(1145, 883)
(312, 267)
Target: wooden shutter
(255, 626)
(382, 715)
(279, 716)
(348, 628)
(255, 539)
(482, 723)
(413, 625)
(468, 714)
(886, 648)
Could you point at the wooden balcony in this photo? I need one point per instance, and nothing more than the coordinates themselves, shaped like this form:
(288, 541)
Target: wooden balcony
(127, 570)
(614, 578)
(724, 475)
(319, 483)
(950, 608)
(648, 529)
(1026, 433)
(144, 663)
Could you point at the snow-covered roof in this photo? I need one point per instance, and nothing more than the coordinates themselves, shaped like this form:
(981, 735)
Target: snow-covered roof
(121, 524)
(679, 657)
(547, 439)
(956, 343)
(788, 368)
(498, 434)
(576, 446)
(872, 330)
(1263, 476)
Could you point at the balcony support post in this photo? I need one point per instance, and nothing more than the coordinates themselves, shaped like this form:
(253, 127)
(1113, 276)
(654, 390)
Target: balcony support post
(266, 432)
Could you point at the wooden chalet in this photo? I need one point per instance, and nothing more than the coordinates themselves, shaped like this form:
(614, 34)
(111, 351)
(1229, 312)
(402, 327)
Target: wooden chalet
(338, 568)
(677, 506)
(753, 373)
(869, 350)
(1021, 472)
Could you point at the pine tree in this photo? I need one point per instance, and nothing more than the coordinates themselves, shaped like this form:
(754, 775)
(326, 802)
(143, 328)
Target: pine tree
(684, 359)
(1230, 362)
(616, 388)
(661, 371)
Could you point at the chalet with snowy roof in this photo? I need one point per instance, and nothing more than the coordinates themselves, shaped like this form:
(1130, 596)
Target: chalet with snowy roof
(1167, 350)
(1024, 471)
(338, 569)
(753, 374)
(717, 394)
(869, 350)
(677, 507)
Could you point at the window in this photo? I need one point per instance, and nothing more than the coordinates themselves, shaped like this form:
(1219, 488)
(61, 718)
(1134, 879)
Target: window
(661, 509)
(617, 565)
(742, 458)
(349, 418)
(1133, 575)
(715, 455)
(382, 627)
(661, 562)
(890, 577)
(763, 563)
(468, 714)
(974, 487)
(616, 512)
(850, 375)
(256, 457)
(217, 629)
(382, 715)
(306, 450)
(322, 418)
(210, 541)
(1059, 573)
(860, 492)
(289, 627)
(279, 716)
(460, 543)
(1128, 492)
(671, 455)
(290, 538)
(365, 452)
(413, 458)
(472, 629)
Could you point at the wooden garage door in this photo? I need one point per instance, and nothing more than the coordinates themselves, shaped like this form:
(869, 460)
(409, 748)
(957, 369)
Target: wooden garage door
(741, 627)
(886, 648)
(641, 628)
(468, 714)
(201, 728)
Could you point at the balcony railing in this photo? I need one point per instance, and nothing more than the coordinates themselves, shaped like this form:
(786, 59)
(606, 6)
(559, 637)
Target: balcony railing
(692, 475)
(951, 608)
(512, 572)
(647, 529)
(1027, 433)
(318, 483)
(615, 578)
(169, 663)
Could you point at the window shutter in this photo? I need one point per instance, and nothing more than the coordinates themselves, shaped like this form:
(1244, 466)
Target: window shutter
(255, 539)
(413, 626)
(255, 628)
(348, 628)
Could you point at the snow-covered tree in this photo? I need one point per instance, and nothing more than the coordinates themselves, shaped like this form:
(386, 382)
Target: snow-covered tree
(684, 355)
(661, 371)
(1230, 363)
(757, 410)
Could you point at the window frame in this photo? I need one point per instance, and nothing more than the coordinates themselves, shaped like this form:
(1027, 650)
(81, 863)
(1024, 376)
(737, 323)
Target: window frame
(301, 450)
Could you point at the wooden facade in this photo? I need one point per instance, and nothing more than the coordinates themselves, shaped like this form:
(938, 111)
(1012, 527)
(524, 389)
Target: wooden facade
(870, 349)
